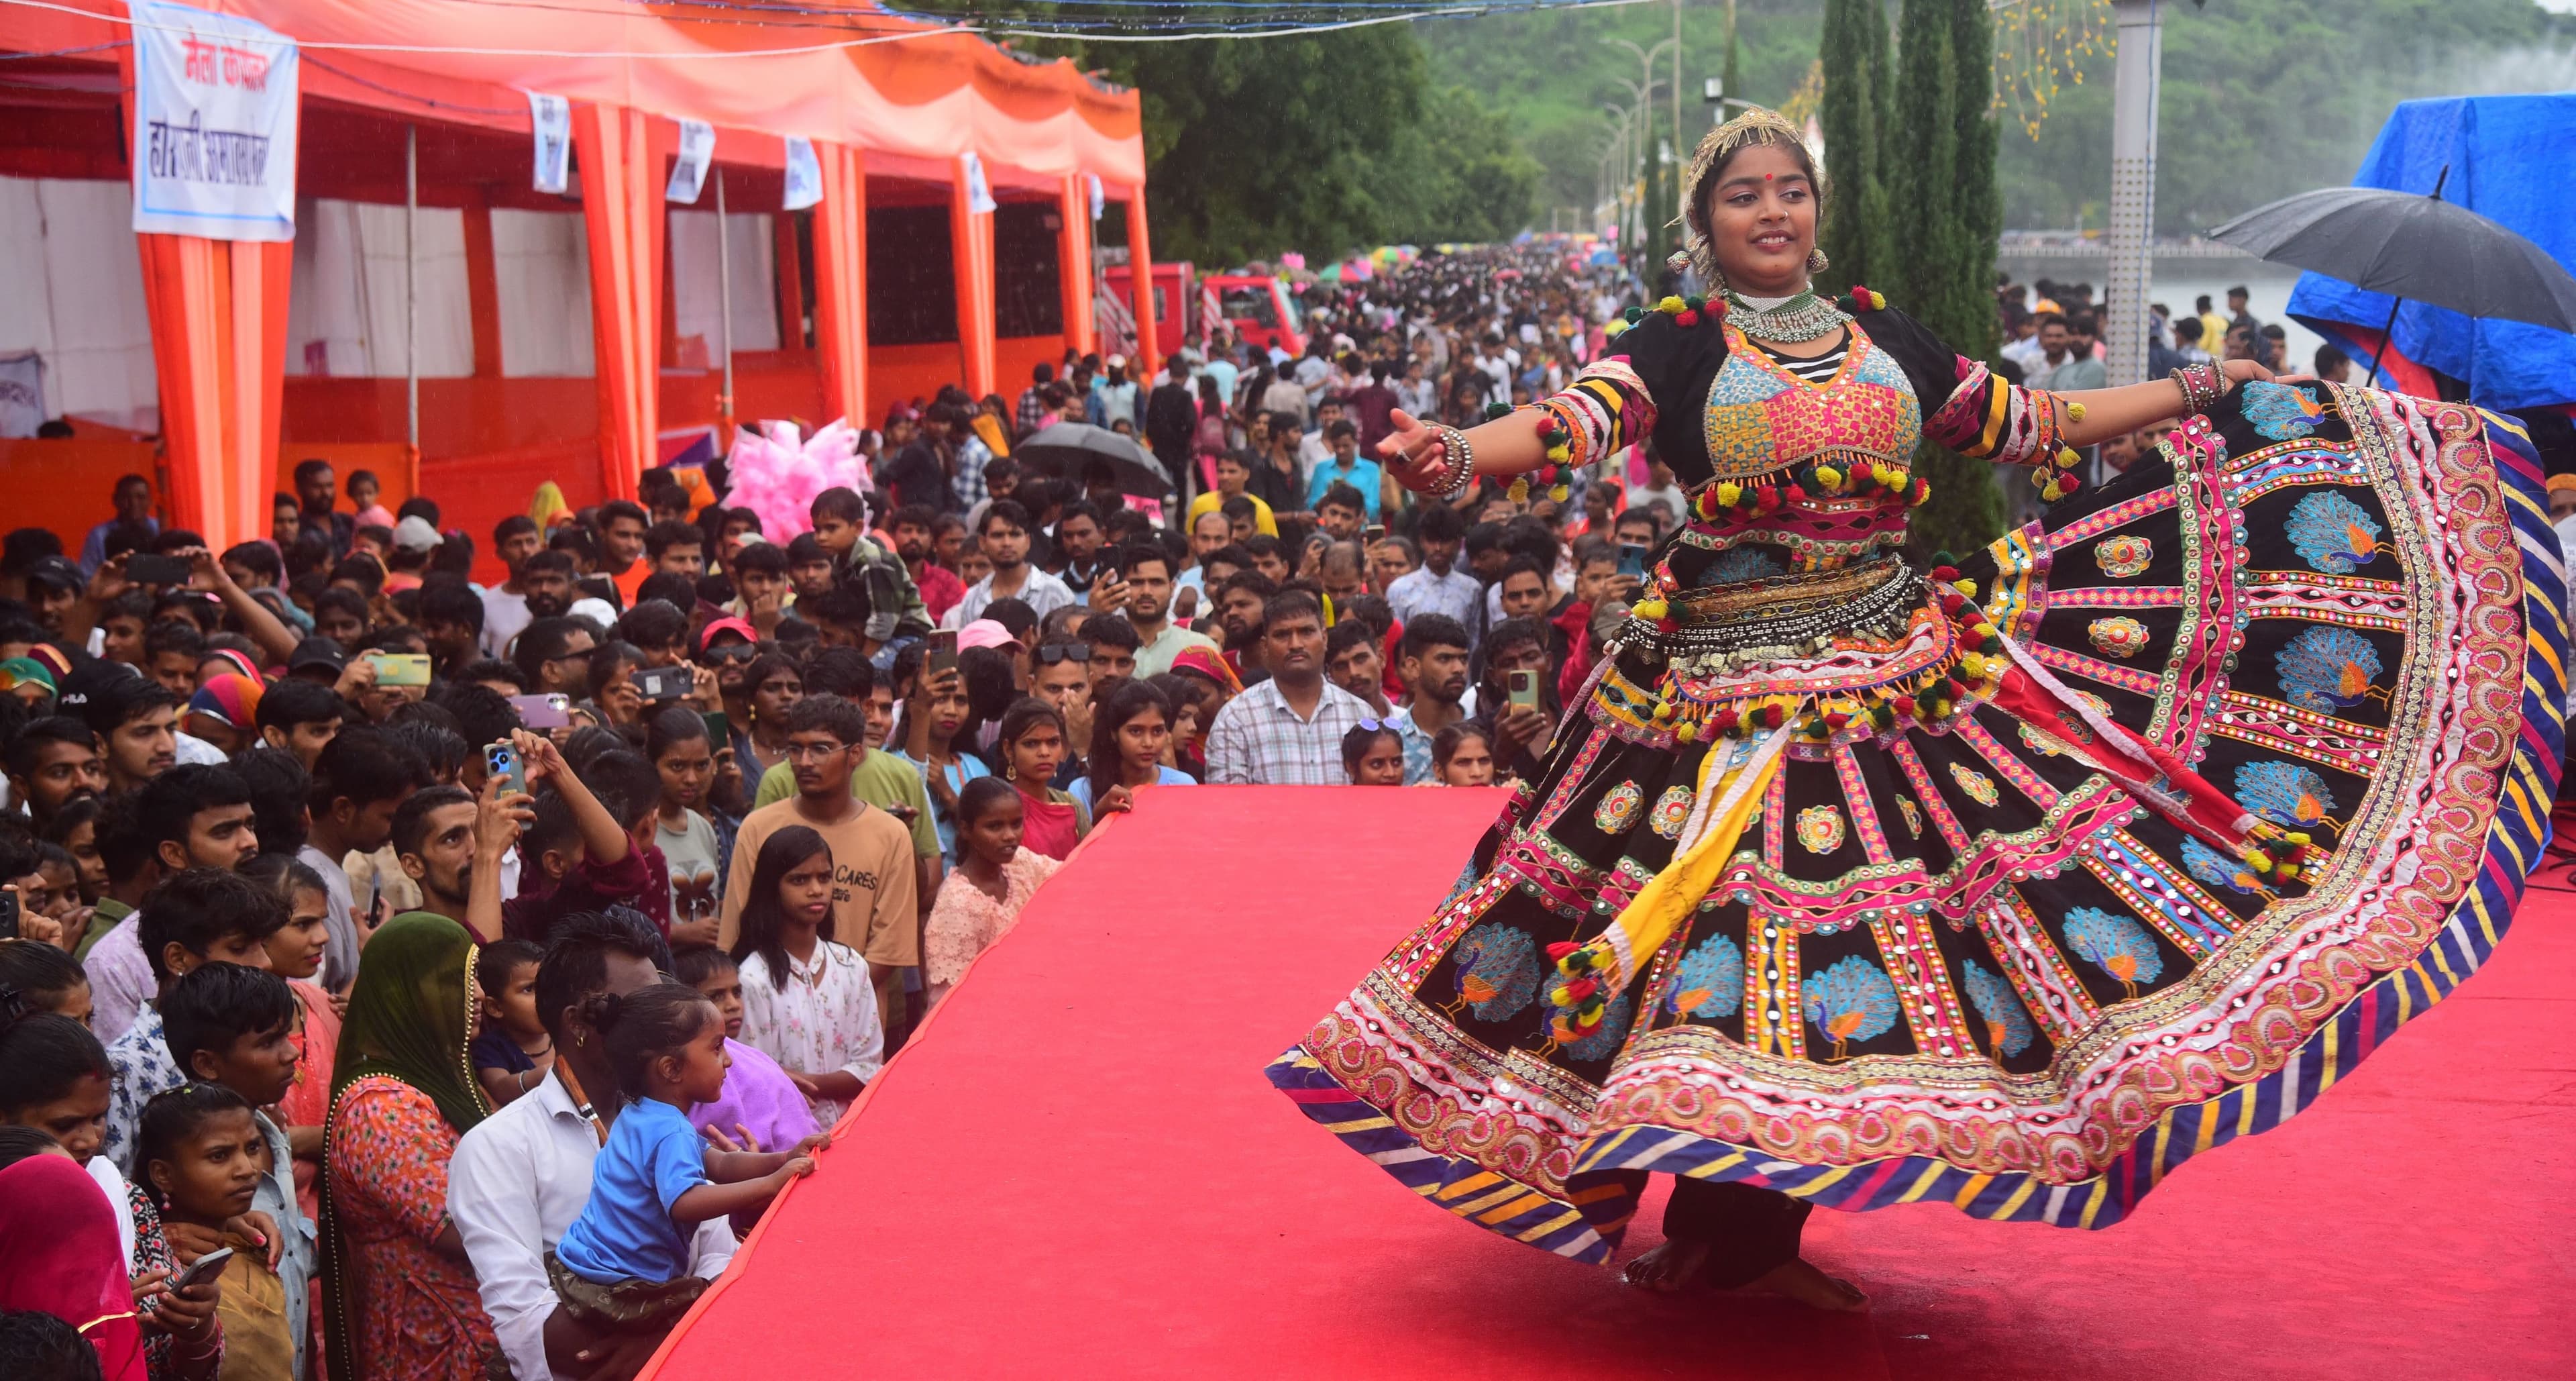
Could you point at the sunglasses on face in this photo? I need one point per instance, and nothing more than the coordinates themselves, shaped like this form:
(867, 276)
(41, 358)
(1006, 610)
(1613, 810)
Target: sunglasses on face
(730, 652)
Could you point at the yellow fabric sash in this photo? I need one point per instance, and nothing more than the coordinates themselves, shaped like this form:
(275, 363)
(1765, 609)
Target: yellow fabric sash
(1733, 779)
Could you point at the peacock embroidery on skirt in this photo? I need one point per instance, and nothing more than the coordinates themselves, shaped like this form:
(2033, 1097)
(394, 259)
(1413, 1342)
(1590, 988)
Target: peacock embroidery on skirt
(2332, 533)
(1497, 971)
(2326, 669)
(1709, 982)
(2116, 945)
(2007, 1025)
(2286, 793)
(2280, 412)
(1851, 1001)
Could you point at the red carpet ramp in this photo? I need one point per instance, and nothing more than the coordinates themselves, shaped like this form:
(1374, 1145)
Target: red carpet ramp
(1078, 1170)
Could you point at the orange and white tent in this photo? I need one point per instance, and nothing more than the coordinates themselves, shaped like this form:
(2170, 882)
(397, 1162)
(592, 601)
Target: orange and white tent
(575, 337)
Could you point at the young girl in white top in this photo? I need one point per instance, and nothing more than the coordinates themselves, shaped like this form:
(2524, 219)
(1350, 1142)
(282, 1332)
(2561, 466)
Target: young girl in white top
(806, 1000)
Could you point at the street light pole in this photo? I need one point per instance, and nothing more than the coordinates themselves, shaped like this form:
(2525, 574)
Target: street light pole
(2139, 70)
(1644, 89)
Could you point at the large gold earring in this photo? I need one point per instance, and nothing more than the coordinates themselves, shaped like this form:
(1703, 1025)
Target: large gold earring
(1817, 262)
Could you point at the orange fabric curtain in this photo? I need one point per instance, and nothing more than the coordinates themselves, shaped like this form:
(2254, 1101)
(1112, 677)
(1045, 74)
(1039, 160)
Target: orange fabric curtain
(621, 206)
(971, 238)
(1140, 261)
(1073, 252)
(841, 282)
(218, 314)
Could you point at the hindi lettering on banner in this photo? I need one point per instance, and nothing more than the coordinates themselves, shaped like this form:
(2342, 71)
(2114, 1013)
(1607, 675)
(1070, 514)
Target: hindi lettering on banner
(550, 124)
(214, 125)
(979, 193)
(689, 170)
(804, 175)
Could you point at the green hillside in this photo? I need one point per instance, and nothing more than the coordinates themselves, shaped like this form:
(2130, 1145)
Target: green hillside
(2261, 97)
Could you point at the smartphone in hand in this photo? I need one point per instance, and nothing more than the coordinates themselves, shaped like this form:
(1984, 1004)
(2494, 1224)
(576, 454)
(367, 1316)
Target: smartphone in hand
(1523, 686)
(502, 761)
(943, 651)
(401, 668)
(143, 568)
(542, 711)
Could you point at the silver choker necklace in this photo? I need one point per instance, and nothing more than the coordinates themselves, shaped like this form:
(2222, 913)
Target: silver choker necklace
(1791, 320)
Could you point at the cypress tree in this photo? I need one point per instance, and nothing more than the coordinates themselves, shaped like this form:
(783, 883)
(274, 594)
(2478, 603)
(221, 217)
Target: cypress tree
(1942, 92)
(1849, 116)
(1878, 204)
(1975, 331)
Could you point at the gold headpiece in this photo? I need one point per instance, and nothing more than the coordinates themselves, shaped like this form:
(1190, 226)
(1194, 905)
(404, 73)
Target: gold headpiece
(1757, 125)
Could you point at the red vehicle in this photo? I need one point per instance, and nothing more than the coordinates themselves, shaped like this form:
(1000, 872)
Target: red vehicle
(1175, 301)
(1260, 310)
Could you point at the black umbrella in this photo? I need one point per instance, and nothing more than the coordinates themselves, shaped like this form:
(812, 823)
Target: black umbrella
(1067, 447)
(2408, 246)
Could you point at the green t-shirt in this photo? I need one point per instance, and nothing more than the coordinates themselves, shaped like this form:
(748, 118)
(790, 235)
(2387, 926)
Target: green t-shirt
(110, 911)
(882, 780)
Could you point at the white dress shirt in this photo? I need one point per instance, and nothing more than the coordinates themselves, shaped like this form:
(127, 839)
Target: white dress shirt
(514, 1186)
(1043, 593)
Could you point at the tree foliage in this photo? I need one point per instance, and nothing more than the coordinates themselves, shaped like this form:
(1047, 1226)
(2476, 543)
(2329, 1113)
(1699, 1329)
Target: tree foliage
(1319, 142)
(1940, 173)
(1857, 235)
(2263, 99)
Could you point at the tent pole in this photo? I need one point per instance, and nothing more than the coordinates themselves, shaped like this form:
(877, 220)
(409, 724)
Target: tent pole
(411, 282)
(724, 304)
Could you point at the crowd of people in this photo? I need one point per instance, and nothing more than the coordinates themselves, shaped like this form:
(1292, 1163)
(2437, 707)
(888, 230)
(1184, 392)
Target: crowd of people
(420, 978)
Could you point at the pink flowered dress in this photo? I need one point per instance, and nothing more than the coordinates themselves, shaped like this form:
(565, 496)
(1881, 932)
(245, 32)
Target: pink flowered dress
(966, 920)
(419, 1317)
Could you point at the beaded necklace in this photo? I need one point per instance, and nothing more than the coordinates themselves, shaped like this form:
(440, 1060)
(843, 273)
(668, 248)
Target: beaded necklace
(1800, 317)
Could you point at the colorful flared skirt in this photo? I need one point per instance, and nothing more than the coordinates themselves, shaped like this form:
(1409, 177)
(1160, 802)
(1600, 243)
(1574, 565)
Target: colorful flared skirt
(1960, 963)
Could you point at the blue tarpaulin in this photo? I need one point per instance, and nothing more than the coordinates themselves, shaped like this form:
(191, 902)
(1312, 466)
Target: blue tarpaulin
(2510, 160)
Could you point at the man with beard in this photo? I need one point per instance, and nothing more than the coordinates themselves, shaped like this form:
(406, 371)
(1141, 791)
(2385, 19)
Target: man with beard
(53, 762)
(1239, 602)
(136, 720)
(545, 592)
(433, 835)
(1286, 731)
(1147, 573)
(1077, 547)
(505, 606)
(940, 587)
(1432, 662)
(316, 486)
(554, 656)
(1004, 539)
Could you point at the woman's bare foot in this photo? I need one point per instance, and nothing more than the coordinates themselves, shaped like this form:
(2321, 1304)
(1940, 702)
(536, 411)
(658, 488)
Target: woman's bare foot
(1800, 1281)
(1668, 1267)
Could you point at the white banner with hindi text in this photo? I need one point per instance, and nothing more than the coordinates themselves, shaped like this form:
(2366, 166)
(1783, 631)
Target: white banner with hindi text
(804, 175)
(214, 125)
(550, 125)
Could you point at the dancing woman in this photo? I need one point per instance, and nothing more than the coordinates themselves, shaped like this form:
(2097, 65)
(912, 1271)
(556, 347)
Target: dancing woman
(2011, 885)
